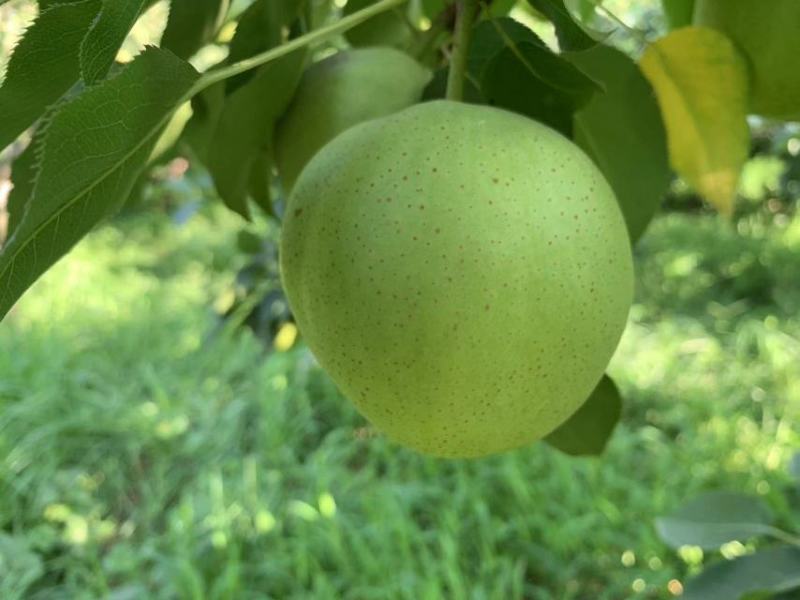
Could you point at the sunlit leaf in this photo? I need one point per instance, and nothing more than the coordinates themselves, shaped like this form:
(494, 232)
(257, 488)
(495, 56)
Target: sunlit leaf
(701, 84)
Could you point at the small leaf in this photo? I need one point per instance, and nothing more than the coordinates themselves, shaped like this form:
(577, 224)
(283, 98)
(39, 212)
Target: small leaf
(621, 129)
(104, 39)
(569, 33)
(192, 24)
(587, 432)
(44, 65)
(679, 13)
(770, 571)
(715, 518)
(94, 147)
(245, 127)
(701, 84)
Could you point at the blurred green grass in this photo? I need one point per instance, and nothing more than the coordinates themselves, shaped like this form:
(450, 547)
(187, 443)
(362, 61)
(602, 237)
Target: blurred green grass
(145, 454)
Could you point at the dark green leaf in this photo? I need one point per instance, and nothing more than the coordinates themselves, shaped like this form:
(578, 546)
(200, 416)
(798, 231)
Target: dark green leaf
(23, 173)
(260, 28)
(437, 88)
(260, 184)
(44, 66)
(206, 108)
(432, 8)
(715, 518)
(771, 571)
(245, 127)
(621, 129)
(192, 24)
(492, 37)
(679, 13)
(89, 157)
(512, 68)
(569, 33)
(587, 431)
(390, 28)
(523, 79)
(106, 36)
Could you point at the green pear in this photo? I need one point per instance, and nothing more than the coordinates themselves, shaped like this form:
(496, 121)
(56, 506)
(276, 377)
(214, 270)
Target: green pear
(338, 92)
(463, 274)
(768, 33)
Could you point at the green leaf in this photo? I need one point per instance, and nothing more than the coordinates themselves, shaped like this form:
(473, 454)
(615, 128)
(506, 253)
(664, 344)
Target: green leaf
(587, 432)
(771, 571)
(44, 65)
(192, 24)
(260, 28)
(569, 33)
(701, 83)
(583, 8)
(89, 156)
(260, 184)
(390, 28)
(245, 128)
(23, 173)
(621, 129)
(513, 69)
(101, 44)
(531, 80)
(679, 13)
(715, 518)
(207, 108)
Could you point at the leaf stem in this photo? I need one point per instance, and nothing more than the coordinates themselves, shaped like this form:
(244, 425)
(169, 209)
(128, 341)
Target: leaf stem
(313, 37)
(465, 17)
(788, 538)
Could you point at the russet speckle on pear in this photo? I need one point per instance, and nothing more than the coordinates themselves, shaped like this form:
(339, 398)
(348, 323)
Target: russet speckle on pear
(463, 274)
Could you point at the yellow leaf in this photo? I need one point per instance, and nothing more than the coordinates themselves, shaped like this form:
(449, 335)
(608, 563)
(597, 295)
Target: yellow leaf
(701, 84)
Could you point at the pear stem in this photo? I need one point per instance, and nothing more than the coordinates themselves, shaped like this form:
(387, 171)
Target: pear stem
(467, 10)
